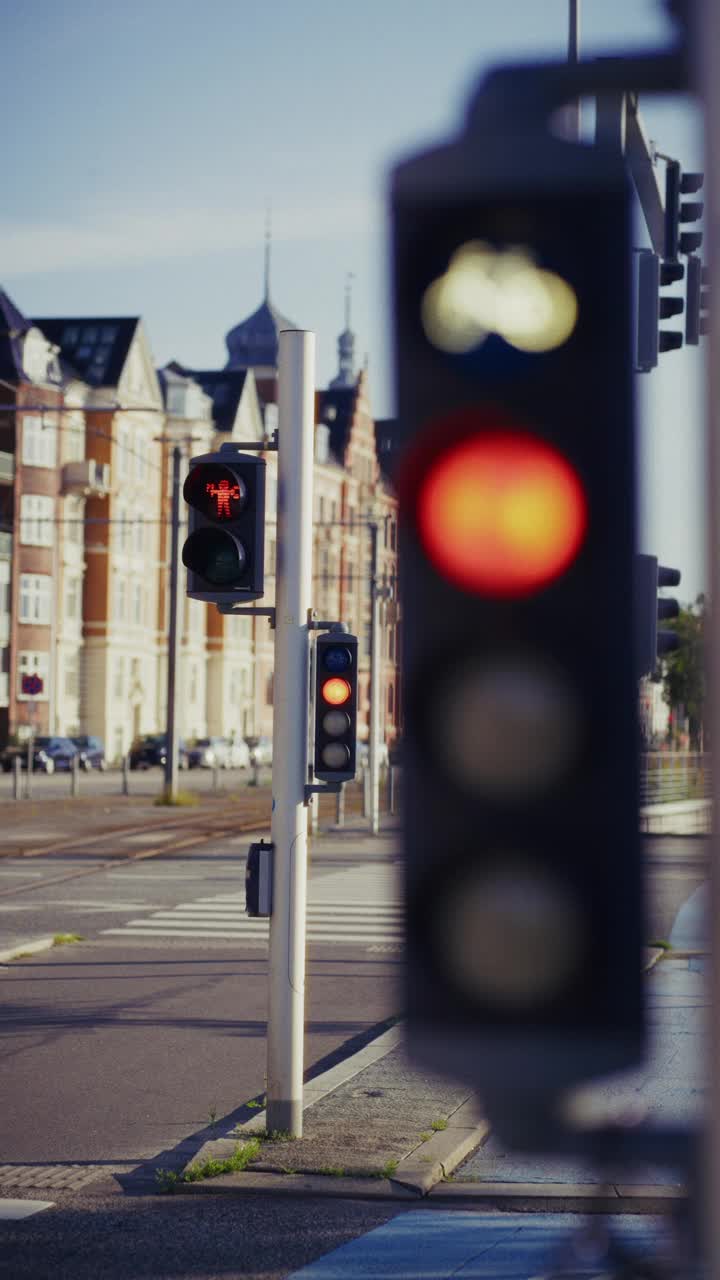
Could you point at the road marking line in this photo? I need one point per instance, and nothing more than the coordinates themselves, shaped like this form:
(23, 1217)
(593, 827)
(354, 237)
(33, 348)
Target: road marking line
(14, 1210)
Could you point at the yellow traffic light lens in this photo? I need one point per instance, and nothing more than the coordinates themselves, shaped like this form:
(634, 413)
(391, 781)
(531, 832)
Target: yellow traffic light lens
(336, 691)
(501, 513)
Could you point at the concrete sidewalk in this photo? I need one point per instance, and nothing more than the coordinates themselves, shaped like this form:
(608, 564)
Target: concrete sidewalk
(376, 1126)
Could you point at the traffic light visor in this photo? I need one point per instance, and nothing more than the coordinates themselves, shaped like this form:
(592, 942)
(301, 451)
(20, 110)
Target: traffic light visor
(216, 491)
(501, 513)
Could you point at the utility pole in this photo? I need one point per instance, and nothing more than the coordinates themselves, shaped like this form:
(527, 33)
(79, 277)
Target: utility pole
(171, 761)
(574, 109)
(704, 36)
(290, 732)
(375, 689)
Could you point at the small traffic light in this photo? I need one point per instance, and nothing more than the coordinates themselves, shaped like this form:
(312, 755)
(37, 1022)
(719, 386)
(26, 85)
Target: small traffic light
(654, 275)
(678, 211)
(336, 698)
(697, 302)
(516, 483)
(224, 550)
(650, 608)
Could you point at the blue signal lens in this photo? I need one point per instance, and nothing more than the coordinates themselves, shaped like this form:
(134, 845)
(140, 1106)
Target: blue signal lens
(337, 659)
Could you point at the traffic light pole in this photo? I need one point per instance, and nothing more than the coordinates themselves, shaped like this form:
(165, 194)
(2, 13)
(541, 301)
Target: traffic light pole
(375, 664)
(171, 761)
(706, 35)
(290, 731)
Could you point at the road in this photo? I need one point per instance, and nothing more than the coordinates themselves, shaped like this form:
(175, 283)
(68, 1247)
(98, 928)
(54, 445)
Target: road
(119, 1046)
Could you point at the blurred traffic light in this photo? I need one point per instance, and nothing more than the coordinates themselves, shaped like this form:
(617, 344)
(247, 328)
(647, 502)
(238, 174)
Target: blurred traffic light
(224, 550)
(516, 488)
(336, 700)
(650, 608)
(679, 211)
(697, 302)
(652, 307)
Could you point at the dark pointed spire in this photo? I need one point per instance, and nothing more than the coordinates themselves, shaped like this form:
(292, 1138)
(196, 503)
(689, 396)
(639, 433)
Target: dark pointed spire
(346, 344)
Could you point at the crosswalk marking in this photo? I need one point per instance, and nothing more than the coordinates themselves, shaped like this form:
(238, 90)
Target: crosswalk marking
(359, 906)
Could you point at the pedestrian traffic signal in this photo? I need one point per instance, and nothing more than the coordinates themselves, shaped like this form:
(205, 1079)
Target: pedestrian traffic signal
(654, 275)
(697, 303)
(516, 488)
(224, 550)
(336, 699)
(678, 211)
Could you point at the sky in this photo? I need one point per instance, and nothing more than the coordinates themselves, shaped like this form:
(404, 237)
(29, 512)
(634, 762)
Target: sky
(144, 143)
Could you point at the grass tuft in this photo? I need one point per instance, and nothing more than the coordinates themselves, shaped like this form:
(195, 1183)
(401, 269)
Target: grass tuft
(439, 1125)
(168, 1180)
(62, 939)
(185, 799)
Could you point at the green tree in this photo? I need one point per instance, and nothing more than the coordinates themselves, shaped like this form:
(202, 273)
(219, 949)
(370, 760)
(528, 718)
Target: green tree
(683, 671)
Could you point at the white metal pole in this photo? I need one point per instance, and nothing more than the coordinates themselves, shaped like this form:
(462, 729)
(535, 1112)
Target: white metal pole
(574, 109)
(706, 42)
(290, 711)
(375, 663)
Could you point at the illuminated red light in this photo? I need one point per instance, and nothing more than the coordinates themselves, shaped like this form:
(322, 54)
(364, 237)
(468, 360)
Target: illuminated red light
(336, 691)
(501, 513)
(223, 493)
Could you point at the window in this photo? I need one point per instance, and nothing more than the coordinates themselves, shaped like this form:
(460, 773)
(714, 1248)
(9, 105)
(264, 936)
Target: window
(73, 598)
(391, 700)
(119, 679)
(139, 535)
(137, 612)
(350, 577)
(39, 441)
(73, 515)
(71, 667)
(119, 599)
(193, 682)
(35, 598)
(36, 520)
(33, 664)
(269, 691)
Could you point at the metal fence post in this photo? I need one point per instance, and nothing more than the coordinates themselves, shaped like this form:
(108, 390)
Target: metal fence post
(126, 775)
(17, 777)
(340, 806)
(75, 776)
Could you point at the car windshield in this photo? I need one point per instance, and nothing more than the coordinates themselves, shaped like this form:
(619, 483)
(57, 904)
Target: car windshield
(203, 742)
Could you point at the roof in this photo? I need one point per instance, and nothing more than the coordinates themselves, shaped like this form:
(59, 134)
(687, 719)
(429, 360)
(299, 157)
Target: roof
(13, 327)
(225, 386)
(387, 446)
(95, 346)
(254, 342)
(335, 409)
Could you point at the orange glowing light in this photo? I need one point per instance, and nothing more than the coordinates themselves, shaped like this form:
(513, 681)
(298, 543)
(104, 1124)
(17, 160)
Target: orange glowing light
(502, 513)
(336, 691)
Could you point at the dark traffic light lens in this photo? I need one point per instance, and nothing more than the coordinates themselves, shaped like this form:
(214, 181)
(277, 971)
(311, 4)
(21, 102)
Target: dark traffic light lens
(216, 556)
(216, 491)
(337, 659)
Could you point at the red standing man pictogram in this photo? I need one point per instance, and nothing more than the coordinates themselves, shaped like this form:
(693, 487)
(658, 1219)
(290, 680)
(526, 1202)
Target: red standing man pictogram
(223, 492)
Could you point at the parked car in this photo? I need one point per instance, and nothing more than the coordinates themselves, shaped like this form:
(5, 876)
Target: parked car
(209, 753)
(239, 754)
(92, 752)
(151, 750)
(261, 749)
(49, 754)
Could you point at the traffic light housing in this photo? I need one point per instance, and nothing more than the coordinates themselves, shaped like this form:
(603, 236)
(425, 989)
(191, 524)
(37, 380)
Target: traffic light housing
(224, 549)
(336, 706)
(678, 211)
(652, 308)
(697, 302)
(516, 489)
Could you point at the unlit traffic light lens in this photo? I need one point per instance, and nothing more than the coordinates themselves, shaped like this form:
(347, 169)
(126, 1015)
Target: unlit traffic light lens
(215, 555)
(335, 755)
(338, 658)
(336, 691)
(501, 513)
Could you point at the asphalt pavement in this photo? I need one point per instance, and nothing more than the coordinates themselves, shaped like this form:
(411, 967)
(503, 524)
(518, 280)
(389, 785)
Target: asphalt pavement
(379, 1131)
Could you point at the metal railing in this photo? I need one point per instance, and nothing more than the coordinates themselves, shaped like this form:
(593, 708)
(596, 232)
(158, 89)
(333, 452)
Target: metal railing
(667, 776)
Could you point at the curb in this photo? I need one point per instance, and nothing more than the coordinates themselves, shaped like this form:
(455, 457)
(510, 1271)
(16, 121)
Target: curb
(26, 949)
(416, 1174)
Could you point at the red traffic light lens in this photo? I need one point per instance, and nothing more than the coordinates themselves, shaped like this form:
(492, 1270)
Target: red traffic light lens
(217, 491)
(336, 691)
(501, 513)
